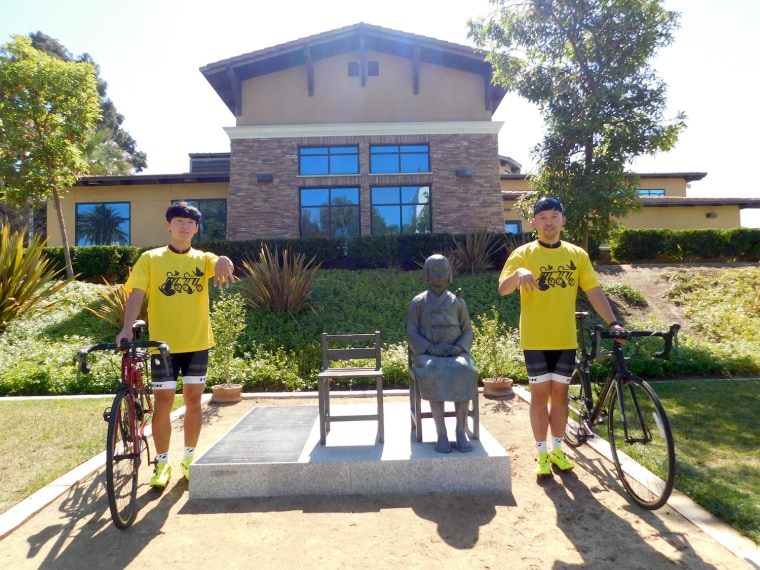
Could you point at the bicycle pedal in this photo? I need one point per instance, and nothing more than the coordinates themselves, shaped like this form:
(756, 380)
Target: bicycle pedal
(107, 415)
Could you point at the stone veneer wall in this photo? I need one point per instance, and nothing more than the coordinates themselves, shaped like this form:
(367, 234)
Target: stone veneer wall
(271, 209)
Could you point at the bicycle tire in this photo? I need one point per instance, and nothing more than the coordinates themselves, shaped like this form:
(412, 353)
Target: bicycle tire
(122, 461)
(646, 463)
(575, 434)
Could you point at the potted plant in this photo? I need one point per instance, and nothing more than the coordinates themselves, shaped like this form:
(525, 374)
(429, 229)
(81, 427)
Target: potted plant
(227, 323)
(496, 352)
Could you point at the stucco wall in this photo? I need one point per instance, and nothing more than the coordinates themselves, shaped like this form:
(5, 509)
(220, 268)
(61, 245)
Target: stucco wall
(282, 98)
(147, 212)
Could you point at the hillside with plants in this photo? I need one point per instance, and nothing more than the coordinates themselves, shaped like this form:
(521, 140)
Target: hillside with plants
(277, 351)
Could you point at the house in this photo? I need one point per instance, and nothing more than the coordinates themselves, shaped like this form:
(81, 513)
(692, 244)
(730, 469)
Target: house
(357, 131)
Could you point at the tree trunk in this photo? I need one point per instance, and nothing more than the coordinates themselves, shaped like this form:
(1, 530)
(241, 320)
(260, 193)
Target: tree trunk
(64, 236)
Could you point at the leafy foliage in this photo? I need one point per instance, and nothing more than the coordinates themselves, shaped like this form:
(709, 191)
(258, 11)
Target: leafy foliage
(47, 110)
(26, 277)
(276, 286)
(496, 348)
(585, 64)
(227, 323)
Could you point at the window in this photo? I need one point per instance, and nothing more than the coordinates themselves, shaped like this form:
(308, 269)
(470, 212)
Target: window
(105, 223)
(389, 159)
(650, 192)
(323, 160)
(401, 210)
(329, 212)
(512, 227)
(213, 219)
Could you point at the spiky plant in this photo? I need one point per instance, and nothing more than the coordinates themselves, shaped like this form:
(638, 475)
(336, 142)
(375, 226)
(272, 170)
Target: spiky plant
(473, 253)
(274, 286)
(114, 303)
(27, 277)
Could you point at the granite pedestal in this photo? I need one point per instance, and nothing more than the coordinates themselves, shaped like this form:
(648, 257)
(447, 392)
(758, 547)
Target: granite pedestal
(275, 451)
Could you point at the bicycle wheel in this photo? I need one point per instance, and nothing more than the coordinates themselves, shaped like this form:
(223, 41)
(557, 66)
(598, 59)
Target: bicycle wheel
(122, 461)
(642, 444)
(575, 434)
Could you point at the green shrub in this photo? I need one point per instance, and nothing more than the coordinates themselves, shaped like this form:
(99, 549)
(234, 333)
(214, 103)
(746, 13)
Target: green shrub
(496, 349)
(227, 324)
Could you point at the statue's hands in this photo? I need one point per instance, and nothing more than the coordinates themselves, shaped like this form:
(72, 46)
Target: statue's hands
(456, 350)
(436, 350)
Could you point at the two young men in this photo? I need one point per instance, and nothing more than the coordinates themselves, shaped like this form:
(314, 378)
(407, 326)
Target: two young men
(175, 278)
(548, 273)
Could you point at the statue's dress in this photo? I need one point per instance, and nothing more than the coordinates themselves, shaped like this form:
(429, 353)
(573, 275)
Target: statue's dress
(441, 319)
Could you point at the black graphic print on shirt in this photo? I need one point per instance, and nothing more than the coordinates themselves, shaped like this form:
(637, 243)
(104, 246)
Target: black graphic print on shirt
(563, 276)
(187, 283)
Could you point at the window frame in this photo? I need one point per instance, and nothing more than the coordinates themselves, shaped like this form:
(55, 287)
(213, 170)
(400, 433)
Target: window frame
(401, 152)
(331, 155)
(401, 204)
(333, 193)
(127, 221)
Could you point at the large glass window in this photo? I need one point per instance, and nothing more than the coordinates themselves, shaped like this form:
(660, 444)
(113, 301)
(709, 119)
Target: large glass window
(323, 160)
(401, 210)
(105, 223)
(390, 158)
(512, 227)
(329, 212)
(651, 192)
(213, 219)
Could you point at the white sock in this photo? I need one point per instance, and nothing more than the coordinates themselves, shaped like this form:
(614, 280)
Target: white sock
(188, 452)
(162, 457)
(556, 442)
(541, 446)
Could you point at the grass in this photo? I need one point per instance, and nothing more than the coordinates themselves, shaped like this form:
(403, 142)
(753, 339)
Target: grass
(37, 446)
(714, 425)
(715, 422)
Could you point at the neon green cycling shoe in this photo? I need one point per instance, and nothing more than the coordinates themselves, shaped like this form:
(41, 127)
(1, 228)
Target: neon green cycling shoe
(543, 467)
(557, 456)
(185, 466)
(161, 475)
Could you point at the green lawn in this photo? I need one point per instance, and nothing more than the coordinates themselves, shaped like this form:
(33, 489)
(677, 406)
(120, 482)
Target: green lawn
(44, 438)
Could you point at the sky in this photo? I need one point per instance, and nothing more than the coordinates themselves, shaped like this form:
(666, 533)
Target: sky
(150, 52)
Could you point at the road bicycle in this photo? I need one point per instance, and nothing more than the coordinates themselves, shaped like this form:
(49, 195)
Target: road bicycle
(129, 413)
(638, 430)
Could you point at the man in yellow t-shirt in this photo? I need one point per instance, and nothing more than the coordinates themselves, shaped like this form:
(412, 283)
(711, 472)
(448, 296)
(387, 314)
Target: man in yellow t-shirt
(175, 278)
(548, 272)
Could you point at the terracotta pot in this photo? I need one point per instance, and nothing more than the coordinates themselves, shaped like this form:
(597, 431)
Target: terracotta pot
(226, 393)
(497, 387)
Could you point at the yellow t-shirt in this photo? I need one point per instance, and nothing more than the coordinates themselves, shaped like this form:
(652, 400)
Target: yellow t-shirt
(547, 315)
(176, 285)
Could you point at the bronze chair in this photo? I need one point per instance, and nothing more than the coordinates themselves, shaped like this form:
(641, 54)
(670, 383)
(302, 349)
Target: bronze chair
(343, 348)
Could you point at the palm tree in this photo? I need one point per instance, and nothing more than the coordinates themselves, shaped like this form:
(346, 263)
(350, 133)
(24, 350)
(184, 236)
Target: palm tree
(101, 226)
(104, 156)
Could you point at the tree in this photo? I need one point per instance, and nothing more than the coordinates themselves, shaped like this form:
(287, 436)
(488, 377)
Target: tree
(104, 157)
(110, 120)
(47, 109)
(585, 64)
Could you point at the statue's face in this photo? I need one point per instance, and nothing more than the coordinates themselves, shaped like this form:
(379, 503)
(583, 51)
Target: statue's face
(438, 275)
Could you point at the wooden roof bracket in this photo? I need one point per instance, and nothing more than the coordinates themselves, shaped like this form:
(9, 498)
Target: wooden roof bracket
(237, 95)
(416, 69)
(309, 70)
(488, 92)
(363, 56)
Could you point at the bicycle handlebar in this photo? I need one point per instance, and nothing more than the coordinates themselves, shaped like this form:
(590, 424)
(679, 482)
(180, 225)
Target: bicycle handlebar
(84, 366)
(668, 336)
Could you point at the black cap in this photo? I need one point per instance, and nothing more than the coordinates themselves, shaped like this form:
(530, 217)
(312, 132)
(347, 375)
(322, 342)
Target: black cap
(547, 203)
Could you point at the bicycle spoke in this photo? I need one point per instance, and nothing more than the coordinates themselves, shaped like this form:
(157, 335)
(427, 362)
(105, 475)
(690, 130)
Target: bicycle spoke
(575, 433)
(642, 444)
(122, 461)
